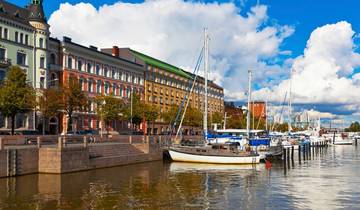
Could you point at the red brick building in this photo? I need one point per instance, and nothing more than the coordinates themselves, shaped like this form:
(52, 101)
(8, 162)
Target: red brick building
(98, 73)
(258, 109)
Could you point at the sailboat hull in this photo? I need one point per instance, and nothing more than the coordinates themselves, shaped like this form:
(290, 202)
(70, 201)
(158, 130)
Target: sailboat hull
(216, 159)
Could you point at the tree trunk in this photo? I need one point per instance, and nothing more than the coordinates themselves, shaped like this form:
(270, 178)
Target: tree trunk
(12, 124)
(152, 126)
(69, 126)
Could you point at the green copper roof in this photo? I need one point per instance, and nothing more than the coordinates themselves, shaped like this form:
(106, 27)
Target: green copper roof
(160, 64)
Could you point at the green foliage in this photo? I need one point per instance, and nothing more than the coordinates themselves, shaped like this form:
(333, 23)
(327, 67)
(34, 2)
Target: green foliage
(73, 99)
(193, 116)
(138, 108)
(354, 127)
(108, 108)
(151, 112)
(217, 117)
(16, 96)
(49, 103)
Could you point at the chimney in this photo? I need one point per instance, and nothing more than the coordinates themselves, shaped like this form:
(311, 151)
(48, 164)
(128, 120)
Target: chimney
(115, 51)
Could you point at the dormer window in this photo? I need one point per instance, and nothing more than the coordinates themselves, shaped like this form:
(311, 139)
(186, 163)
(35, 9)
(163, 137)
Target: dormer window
(17, 14)
(2, 8)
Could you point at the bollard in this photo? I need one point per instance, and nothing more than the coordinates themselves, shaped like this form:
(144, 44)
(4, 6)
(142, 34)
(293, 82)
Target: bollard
(292, 152)
(60, 143)
(288, 157)
(304, 152)
(130, 139)
(85, 142)
(309, 150)
(284, 154)
(356, 141)
(299, 153)
(1, 143)
(38, 140)
(160, 140)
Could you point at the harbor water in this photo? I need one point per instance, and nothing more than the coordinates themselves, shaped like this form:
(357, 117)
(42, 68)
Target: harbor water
(328, 180)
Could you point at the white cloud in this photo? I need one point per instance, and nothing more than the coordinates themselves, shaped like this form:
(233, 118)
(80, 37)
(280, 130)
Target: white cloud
(323, 73)
(172, 30)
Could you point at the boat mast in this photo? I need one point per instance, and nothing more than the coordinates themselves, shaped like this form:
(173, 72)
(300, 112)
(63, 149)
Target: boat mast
(290, 87)
(206, 66)
(249, 101)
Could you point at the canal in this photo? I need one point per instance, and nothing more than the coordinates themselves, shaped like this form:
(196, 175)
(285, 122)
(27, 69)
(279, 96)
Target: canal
(329, 180)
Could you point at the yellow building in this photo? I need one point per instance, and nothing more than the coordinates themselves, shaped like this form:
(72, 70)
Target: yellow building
(167, 85)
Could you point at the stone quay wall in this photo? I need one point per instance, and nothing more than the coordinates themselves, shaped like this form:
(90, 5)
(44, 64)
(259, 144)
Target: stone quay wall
(63, 157)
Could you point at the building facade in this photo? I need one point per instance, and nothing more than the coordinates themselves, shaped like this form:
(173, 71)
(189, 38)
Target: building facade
(99, 73)
(167, 85)
(24, 35)
(258, 109)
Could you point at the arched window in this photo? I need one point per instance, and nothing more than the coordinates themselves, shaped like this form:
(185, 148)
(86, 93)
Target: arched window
(90, 85)
(107, 87)
(114, 87)
(98, 86)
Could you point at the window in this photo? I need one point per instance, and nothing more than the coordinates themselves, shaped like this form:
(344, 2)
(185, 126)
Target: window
(21, 59)
(52, 79)
(121, 91)
(90, 86)
(52, 58)
(1, 32)
(106, 72)
(2, 54)
(21, 38)
(69, 63)
(107, 88)
(98, 69)
(5, 33)
(27, 39)
(113, 74)
(98, 86)
(89, 67)
(41, 43)
(42, 62)
(81, 82)
(114, 89)
(79, 65)
(16, 36)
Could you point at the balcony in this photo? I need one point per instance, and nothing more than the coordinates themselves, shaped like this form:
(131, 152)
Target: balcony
(5, 62)
(55, 67)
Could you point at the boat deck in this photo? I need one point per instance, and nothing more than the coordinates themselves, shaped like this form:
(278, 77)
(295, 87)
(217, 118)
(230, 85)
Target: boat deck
(209, 151)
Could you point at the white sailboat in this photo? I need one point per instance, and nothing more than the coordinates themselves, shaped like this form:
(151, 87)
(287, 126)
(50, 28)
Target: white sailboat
(216, 154)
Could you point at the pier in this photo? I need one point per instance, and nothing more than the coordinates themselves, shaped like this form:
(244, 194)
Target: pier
(62, 154)
(305, 151)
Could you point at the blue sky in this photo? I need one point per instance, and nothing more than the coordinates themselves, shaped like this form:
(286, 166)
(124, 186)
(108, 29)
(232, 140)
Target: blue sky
(305, 15)
(287, 28)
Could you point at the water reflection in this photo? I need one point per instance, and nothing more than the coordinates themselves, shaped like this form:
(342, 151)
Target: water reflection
(327, 180)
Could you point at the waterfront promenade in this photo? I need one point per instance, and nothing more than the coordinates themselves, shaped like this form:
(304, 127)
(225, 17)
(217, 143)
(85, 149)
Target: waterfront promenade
(20, 155)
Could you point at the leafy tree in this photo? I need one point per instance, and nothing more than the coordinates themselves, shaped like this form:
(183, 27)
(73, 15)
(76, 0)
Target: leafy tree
(73, 99)
(16, 96)
(138, 107)
(193, 117)
(354, 127)
(217, 117)
(108, 108)
(170, 115)
(151, 114)
(49, 104)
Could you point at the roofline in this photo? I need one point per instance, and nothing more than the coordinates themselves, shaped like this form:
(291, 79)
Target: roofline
(137, 52)
(102, 53)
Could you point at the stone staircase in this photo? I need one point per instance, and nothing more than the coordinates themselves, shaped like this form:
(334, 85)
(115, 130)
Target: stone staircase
(113, 150)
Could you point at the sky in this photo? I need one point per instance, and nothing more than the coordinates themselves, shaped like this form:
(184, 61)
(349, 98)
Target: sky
(315, 40)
